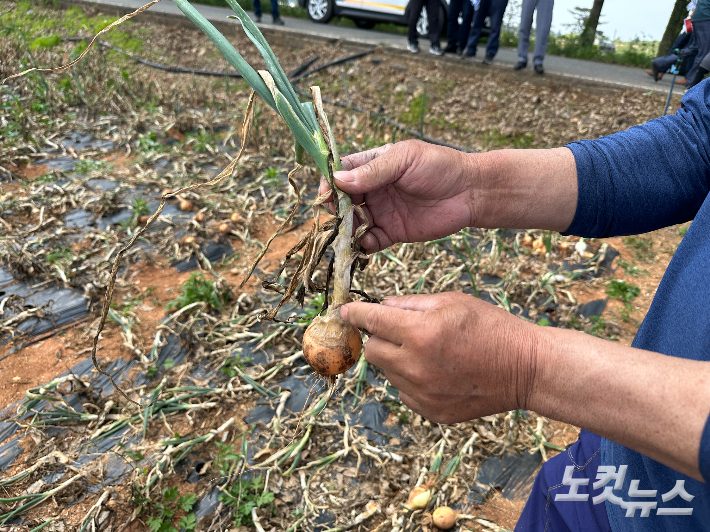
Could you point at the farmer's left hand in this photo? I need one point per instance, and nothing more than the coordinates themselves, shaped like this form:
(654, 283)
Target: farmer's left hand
(452, 357)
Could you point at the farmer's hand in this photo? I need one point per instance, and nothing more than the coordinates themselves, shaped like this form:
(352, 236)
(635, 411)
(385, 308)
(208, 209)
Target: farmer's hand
(452, 357)
(412, 192)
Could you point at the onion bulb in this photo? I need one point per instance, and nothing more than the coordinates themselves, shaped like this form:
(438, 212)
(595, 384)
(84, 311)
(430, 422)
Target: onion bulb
(200, 217)
(185, 205)
(224, 228)
(418, 498)
(143, 219)
(236, 218)
(330, 345)
(444, 518)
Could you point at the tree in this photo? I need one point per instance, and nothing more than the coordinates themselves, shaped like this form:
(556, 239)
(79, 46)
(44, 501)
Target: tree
(586, 39)
(675, 24)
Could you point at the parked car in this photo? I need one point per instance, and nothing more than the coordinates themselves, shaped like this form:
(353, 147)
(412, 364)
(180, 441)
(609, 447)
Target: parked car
(366, 13)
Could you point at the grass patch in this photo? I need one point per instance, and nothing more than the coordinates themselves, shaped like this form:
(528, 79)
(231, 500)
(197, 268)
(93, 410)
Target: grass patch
(642, 247)
(631, 269)
(198, 289)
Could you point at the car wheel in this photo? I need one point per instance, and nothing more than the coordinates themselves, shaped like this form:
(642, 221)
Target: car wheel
(364, 23)
(423, 23)
(320, 10)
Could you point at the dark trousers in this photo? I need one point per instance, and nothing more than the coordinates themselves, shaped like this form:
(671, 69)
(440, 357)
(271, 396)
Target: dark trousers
(700, 44)
(458, 33)
(274, 8)
(544, 513)
(432, 13)
(495, 9)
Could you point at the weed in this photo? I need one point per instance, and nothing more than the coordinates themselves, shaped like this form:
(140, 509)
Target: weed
(416, 108)
(399, 410)
(621, 290)
(245, 496)
(632, 269)
(683, 229)
(197, 289)
(200, 140)
(140, 208)
(544, 322)
(87, 166)
(166, 511)
(232, 364)
(227, 459)
(45, 42)
(642, 247)
(62, 255)
(149, 143)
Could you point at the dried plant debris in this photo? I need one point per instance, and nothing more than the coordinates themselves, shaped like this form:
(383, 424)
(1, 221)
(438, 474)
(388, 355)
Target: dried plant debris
(86, 159)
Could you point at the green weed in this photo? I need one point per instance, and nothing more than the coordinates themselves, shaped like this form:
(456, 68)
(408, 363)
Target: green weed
(642, 247)
(166, 511)
(683, 229)
(149, 143)
(247, 495)
(62, 255)
(232, 364)
(45, 42)
(87, 166)
(631, 269)
(621, 290)
(197, 289)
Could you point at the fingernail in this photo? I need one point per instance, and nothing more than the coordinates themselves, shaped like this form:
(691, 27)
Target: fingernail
(345, 176)
(344, 312)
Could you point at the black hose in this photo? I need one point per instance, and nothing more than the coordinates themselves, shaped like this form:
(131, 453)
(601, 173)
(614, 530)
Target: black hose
(182, 70)
(295, 76)
(340, 61)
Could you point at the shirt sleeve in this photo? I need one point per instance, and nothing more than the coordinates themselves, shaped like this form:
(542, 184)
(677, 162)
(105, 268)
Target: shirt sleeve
(647, 177)
(704, 457)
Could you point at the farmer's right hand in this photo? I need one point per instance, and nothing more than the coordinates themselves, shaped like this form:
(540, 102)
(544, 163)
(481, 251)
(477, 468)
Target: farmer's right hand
(410, 191)
(413, 191)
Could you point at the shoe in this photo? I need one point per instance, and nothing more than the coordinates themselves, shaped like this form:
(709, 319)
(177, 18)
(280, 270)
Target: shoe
(468, 55)
(459, 50)
(413, 47)
(521, 65)
(450, 48)
(435, 49)
(258, 19)
(488, 59)
(278, 22)
(539, 69)
(681, 80)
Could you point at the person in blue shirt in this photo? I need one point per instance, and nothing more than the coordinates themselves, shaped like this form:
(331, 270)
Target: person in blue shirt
(642, 461)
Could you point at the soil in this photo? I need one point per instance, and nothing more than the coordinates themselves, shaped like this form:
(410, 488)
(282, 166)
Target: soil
(472, 106)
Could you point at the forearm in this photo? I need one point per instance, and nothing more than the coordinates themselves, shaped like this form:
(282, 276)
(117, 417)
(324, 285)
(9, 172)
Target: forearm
(655, 404)
(524, 189)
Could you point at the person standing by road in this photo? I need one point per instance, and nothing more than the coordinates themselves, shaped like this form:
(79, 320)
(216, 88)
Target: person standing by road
(700, 40)
(274, 12)
(542, 32)
(458, 33)
(495, 9)
(432, 13)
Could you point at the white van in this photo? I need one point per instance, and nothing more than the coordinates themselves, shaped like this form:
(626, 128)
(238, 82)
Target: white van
(366, 13)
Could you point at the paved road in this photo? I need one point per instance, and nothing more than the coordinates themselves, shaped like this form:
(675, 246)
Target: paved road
(614, 75)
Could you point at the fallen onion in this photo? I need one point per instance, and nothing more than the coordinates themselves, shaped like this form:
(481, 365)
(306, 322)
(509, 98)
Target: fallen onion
(444, 517)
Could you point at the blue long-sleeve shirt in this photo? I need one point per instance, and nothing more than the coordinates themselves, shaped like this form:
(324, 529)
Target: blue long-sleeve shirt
(635, 181)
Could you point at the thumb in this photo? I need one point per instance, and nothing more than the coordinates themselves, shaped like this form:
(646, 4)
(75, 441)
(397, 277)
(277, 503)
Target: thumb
(371, 169)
